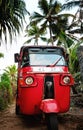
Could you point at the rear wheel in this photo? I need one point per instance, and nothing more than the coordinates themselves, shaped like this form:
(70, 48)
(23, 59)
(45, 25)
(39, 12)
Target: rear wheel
(51, 121)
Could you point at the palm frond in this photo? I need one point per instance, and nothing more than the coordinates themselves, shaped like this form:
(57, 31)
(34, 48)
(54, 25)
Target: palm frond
(12, 16)
(70, 5)
(1, 55)
(43, 6)
(44, 39)
(36, 17)
(28, 41)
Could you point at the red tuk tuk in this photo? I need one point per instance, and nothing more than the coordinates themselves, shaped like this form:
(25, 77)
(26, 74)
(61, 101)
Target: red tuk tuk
(43, 82)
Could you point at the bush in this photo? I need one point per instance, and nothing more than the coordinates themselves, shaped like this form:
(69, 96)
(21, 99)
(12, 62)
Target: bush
(5, 91)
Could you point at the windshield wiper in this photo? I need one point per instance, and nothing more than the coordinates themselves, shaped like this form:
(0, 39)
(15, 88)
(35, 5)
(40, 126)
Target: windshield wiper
(52, 65)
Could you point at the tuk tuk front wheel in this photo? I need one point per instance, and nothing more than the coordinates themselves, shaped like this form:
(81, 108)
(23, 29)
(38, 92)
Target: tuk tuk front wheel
(51, 121)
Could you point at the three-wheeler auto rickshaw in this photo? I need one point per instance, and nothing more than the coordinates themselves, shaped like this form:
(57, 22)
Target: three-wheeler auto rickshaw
(43, 82)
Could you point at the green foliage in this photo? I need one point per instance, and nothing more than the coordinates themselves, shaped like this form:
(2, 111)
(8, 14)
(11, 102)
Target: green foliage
(7, 84)
(11, 71)
(65, 40)
(5, 91)
(50, 20)
(73, 59)
(70, 4)
(1, 55)
(12, 16)
(47, 18)
(34, 33)
(74, 67)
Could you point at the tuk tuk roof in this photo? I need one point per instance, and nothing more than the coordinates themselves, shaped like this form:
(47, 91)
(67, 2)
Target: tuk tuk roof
(43, 47)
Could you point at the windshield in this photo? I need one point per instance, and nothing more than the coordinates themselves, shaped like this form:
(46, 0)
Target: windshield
(46, 59)
(43, 57)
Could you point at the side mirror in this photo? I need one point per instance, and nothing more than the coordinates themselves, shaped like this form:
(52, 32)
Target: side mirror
(16, 57)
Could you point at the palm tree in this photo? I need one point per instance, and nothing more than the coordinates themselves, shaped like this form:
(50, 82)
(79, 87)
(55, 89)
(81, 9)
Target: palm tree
(78, 19)
(34, 33)
(51, 18)
(45, 18)
(11, 71)
(75, 56)
(12, 16)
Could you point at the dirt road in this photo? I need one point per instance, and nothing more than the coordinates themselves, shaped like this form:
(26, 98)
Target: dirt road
(9, 121)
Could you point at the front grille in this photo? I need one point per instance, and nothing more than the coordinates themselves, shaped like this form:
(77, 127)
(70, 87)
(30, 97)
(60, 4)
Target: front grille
(48, 87)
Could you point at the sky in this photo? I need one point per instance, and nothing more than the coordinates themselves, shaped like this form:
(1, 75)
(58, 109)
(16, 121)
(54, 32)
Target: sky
(10, 49)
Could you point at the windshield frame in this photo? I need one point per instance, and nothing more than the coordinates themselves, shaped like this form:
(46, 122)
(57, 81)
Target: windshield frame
(43, 52)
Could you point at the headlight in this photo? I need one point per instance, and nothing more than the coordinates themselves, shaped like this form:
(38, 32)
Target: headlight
(29, 80)
(66, 80)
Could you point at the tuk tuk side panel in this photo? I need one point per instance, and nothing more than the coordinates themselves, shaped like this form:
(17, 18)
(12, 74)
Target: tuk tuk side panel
(62, 94)
(31, 97)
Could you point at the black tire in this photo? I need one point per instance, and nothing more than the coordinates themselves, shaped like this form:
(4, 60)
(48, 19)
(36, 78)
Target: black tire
(17, 111)
(51, 121)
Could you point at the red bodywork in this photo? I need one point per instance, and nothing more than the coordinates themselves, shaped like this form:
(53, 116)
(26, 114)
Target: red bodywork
(30, 98)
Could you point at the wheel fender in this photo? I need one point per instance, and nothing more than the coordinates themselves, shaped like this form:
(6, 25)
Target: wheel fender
(49, 105)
